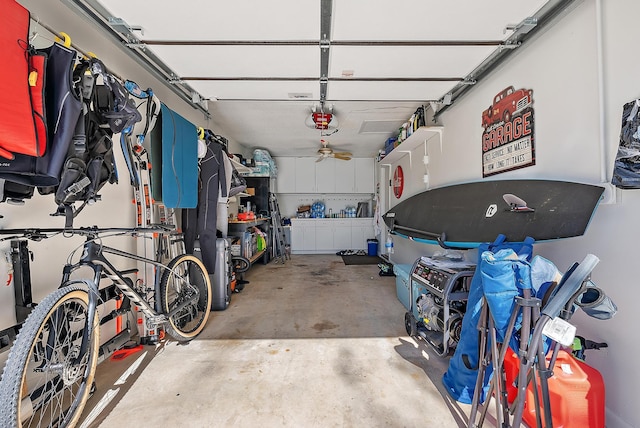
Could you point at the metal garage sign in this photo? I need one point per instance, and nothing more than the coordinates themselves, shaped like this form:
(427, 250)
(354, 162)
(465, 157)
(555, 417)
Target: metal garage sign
(507, 139)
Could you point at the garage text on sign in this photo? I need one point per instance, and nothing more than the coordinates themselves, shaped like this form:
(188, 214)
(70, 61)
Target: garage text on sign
(496, 136)
(508, 136)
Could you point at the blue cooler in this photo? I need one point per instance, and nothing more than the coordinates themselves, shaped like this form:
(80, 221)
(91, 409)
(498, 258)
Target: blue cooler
(372, 247)
(402, 284)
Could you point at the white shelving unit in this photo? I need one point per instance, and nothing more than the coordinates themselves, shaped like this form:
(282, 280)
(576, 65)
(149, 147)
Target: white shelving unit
(421, 136)
(242, 169)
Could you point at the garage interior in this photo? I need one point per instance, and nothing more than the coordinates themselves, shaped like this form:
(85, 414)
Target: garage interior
(311, 341)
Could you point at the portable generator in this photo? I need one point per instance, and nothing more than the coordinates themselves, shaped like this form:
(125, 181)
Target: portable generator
(438, 289)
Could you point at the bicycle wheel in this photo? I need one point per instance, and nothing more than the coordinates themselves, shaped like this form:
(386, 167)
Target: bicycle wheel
(184, 276)
(49, 373)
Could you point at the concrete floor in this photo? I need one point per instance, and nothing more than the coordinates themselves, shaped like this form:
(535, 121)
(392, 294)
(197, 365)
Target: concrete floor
(311, 343)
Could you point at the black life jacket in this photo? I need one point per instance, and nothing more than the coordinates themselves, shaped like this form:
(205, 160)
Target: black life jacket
(90, 163)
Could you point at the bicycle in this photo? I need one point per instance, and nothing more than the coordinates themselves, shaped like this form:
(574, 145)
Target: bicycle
(50, 369)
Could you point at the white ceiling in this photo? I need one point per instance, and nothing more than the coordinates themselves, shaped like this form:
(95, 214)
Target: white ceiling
(253, 86)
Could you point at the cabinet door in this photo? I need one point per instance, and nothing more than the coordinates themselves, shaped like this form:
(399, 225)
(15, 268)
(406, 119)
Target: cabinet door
(361, 231)
(324, 236)
(359, 238)
(326, 176)
(342, 235)
(297, 235)
(305, 175)
(303, 235)
(345, 176)
(364, 175)
(286, 180)
(309, 238)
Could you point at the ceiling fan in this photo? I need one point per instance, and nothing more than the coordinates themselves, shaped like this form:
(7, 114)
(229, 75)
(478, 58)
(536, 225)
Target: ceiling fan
(327, 152)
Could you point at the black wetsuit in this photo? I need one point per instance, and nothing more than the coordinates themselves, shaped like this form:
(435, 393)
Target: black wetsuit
(200, 223)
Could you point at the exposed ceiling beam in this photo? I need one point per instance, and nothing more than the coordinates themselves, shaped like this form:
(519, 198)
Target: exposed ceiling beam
(332, 100)
(329, 79)
(357, 43)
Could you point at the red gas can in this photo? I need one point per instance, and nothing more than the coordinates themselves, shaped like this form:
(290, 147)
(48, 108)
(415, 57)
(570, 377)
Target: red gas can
(576, 391)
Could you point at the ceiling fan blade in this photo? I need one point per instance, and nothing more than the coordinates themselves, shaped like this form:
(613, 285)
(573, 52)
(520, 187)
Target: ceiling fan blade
(342, 156)
(320, 158)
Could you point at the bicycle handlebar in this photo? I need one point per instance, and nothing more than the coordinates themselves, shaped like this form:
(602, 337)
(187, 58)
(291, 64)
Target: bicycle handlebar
(38, 234)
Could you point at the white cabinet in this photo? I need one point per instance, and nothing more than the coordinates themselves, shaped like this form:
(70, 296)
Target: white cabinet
(345, 176)
(364, 175)
(296, 175)
(335, 176)
(303, 234)
(297, 236)
(326, 236)
(286, 180)
(305, 175)
(326, 176)
(361, 231)
(309, 236)
(342, 234)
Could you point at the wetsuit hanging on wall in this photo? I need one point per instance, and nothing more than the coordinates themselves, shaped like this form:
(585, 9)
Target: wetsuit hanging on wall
(200, 223)
(222, 222)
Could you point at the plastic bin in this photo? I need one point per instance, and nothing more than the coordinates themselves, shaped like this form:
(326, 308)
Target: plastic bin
(372, 247)
(402, 284)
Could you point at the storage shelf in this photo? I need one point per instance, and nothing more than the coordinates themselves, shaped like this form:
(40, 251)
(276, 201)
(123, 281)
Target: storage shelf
(256, 256)
(242, 169)
(421, 136)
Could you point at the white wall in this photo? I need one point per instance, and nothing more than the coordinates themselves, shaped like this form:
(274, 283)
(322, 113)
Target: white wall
(561, 66)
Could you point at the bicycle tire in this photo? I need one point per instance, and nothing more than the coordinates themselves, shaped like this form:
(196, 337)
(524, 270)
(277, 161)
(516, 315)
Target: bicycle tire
(188, 322)
(41, 386)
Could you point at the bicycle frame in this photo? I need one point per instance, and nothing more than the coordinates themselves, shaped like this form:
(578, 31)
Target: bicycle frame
(93, 257)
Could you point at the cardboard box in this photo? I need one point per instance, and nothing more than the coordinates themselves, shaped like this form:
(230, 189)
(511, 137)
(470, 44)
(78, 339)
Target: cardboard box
(251, 191)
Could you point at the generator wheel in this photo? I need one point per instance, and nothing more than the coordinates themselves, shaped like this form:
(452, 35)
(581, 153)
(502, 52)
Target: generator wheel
(410, 324)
